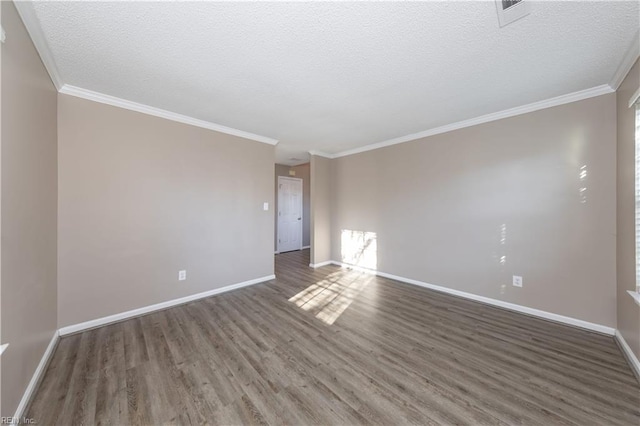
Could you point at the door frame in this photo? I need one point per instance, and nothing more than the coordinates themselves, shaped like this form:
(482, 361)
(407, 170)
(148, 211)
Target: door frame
(280, 178)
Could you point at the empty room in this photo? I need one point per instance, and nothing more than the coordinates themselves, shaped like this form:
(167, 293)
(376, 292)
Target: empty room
(320, 213)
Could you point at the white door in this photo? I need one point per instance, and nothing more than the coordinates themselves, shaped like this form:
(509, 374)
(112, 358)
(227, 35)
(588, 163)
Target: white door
(289, 214)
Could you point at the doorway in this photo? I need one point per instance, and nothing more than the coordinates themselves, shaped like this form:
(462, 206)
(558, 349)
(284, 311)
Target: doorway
(289, 214)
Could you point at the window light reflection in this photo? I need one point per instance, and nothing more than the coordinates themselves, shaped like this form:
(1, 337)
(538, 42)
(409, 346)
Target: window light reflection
(582, 178)
(359, 248)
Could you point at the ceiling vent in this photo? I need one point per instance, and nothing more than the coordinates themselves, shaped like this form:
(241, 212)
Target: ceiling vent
(511, 10)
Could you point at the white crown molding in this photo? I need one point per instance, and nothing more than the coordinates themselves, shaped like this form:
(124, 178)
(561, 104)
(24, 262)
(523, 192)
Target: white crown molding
(512, 112)
(631, 56)
(37, 376)
(32, 24)
(322, 154)
(489, 301)
(157, 112)
(157, 307)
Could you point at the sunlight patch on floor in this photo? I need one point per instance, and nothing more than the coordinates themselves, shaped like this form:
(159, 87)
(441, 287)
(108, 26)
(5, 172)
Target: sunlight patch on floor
(331, 296)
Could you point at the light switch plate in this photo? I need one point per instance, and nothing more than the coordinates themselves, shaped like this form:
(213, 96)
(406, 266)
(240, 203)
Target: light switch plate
(265, 206)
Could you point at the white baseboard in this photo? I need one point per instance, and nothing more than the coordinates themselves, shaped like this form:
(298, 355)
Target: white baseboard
(158, 306)
(628, 353)
(37, 375)
(494, 302)
(306, 247)
(318, 265)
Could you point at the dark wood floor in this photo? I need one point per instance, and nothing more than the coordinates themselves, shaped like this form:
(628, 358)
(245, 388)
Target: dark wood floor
(333, 346)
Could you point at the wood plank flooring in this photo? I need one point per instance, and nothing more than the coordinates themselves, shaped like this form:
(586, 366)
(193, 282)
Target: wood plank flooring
(333, 346)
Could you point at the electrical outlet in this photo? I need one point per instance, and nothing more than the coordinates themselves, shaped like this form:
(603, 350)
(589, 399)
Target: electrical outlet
(265, 206)
(182, 275)
(517, 281)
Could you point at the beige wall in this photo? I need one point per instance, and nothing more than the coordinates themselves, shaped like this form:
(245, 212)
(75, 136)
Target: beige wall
(28, 224)
(141, 198)
(628, 310)
(303, 171)
(321, 189)
(445, 209)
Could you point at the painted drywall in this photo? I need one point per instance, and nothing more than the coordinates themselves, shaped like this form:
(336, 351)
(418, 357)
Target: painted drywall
(141, 198)
(29, 209)
(628, 310)
(321, 194)
(303, 171)
(531, 195)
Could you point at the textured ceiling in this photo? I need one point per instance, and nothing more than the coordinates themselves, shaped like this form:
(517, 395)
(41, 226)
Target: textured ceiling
(334, 76)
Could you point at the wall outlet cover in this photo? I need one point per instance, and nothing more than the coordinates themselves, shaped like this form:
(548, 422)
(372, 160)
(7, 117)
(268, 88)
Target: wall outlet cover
(517, 281)
(182, 275)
